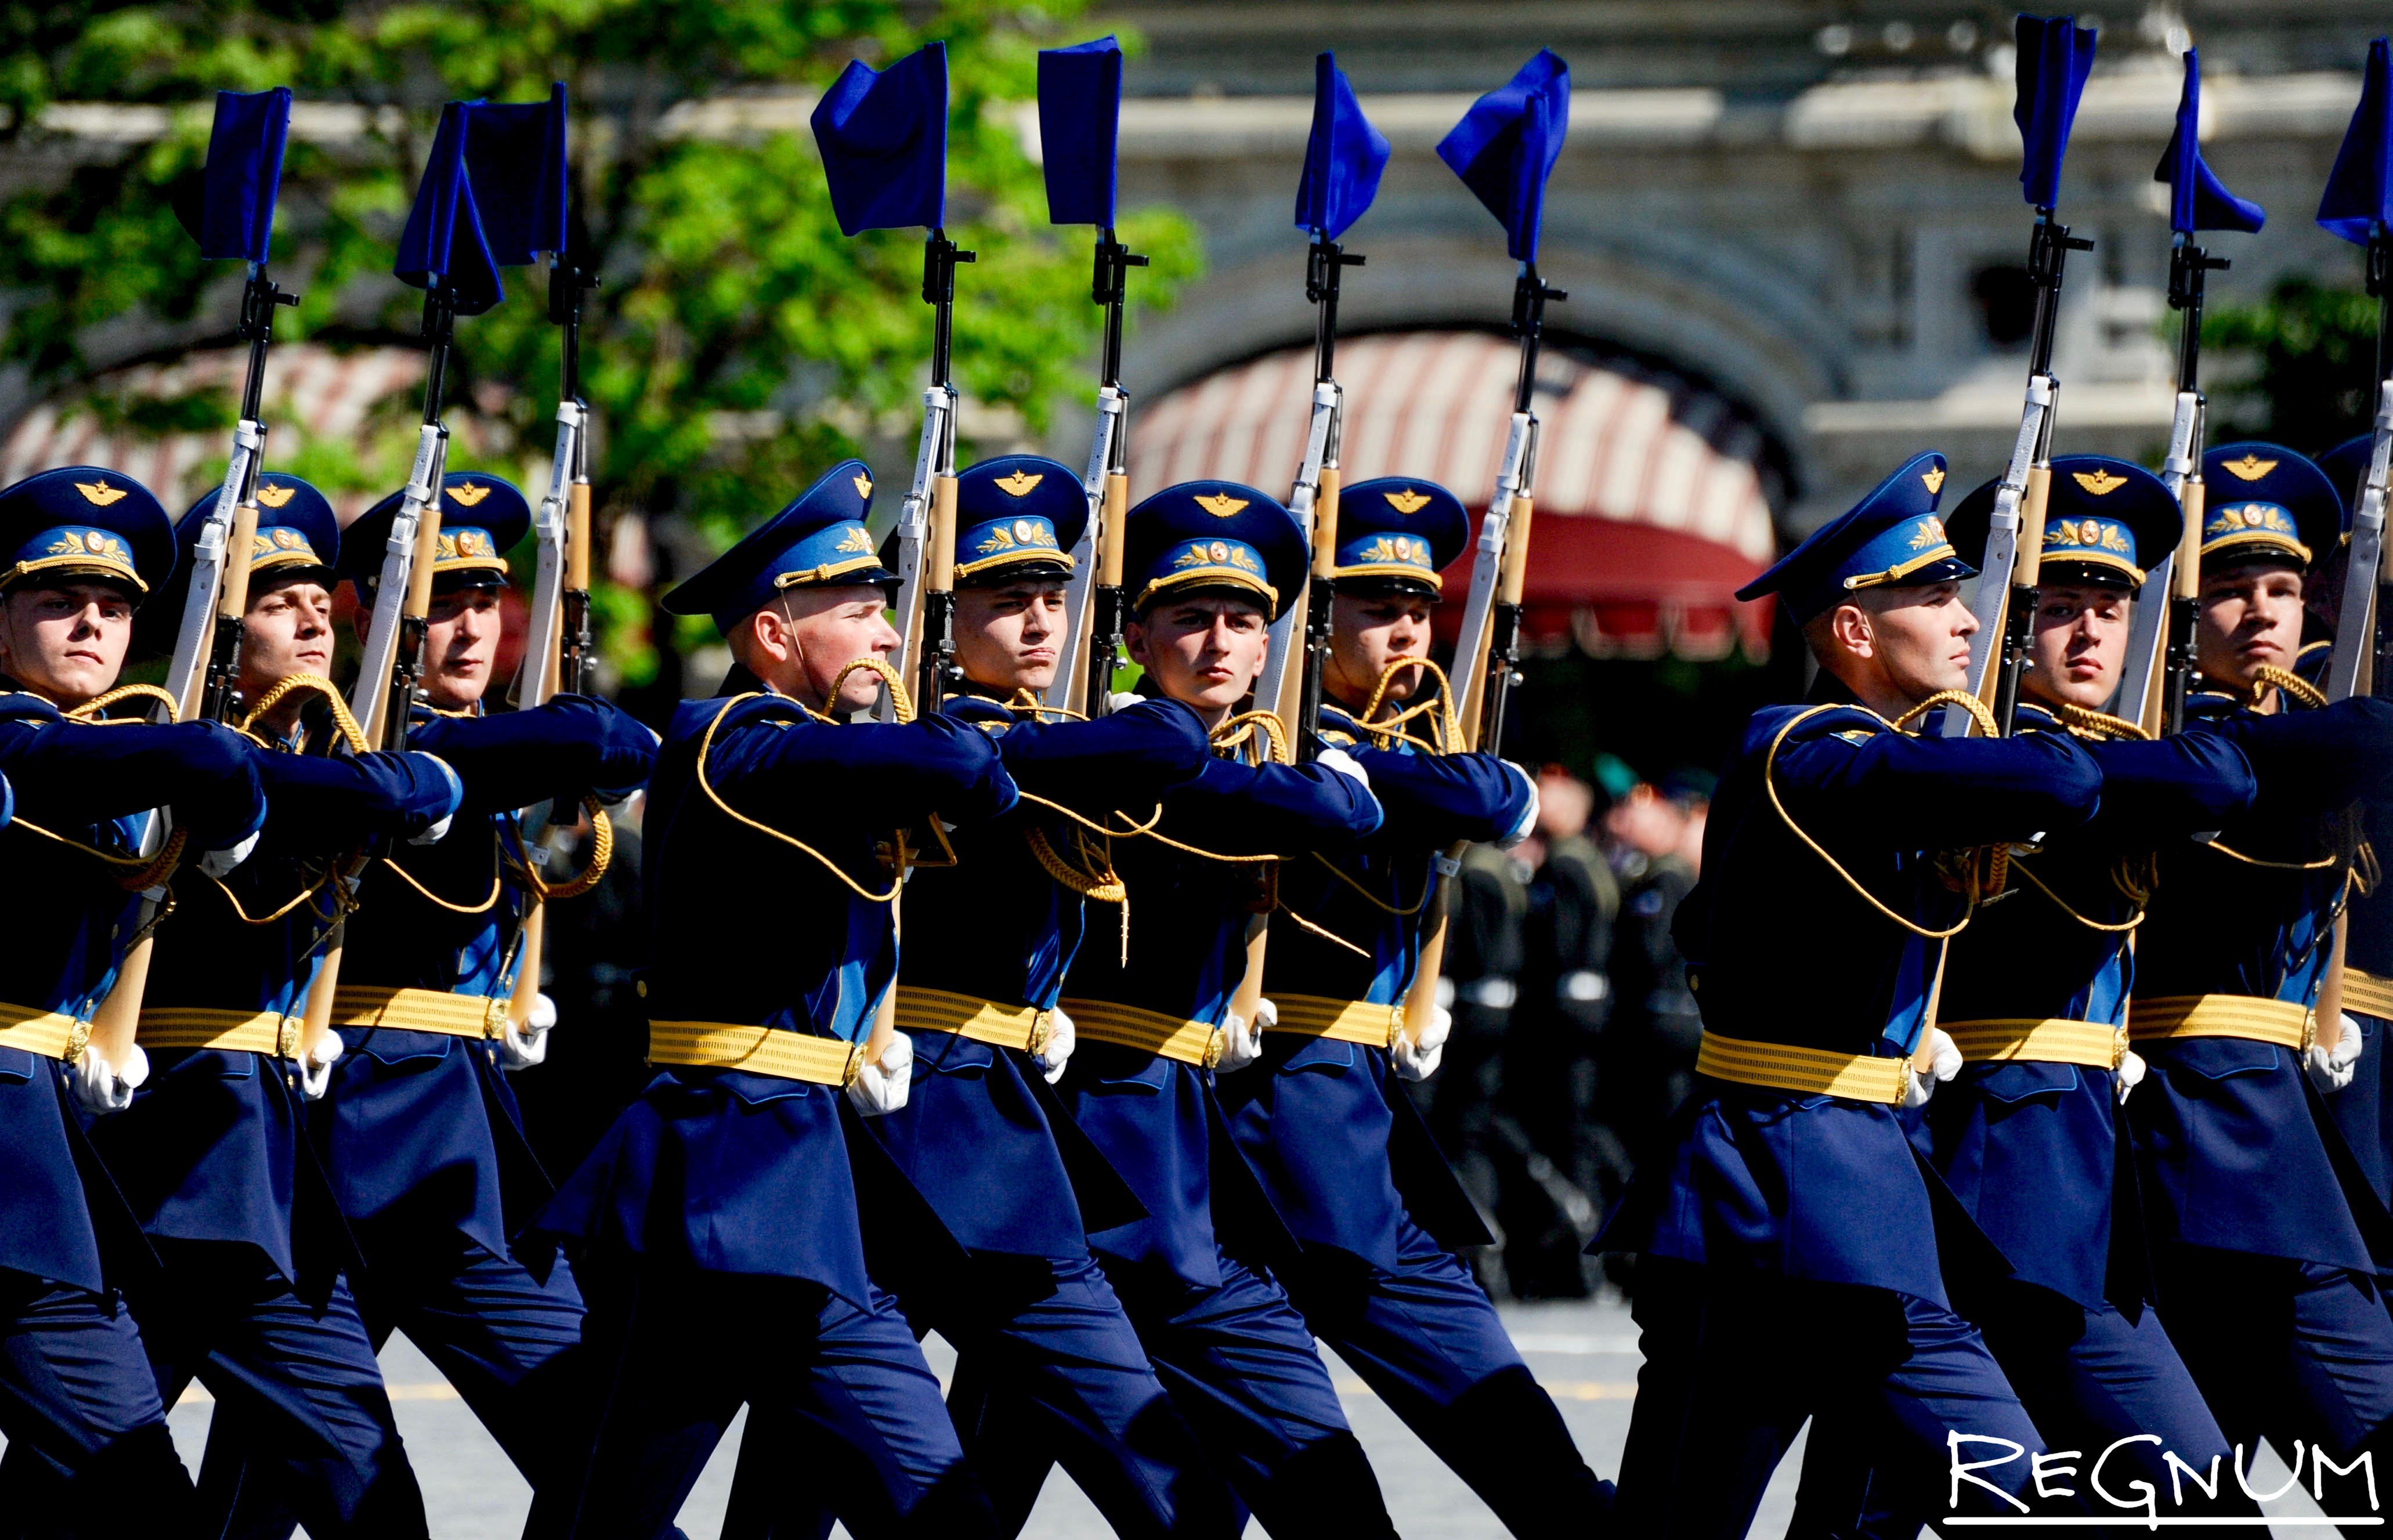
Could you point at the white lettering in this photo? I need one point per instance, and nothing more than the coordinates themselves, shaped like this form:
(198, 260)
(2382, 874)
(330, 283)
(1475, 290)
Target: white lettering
(2269, 1496)
(2179, 1469)
(1961, 1470)
(2048, 1465)
(2365, 1464)
(2151, 1497)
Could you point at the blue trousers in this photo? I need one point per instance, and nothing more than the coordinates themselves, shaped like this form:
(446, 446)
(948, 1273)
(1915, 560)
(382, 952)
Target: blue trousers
(1062, 1381)
(1241, 1367)
(1429, 1343)
(2088, 1378)
(504, 1338)
(854, 1411)
(1736, 1360)
(88, 1449)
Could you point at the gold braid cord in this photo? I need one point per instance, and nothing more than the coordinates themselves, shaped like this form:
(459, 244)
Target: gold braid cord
(89, 713)
(489, 900)
(1242, 734)
(1446, 728)
(602, 856)
(2291, 684)
(2077, 719)
(1027, 700)
(706, 744)
(2305, 693)
(2062, 904)
(888, 676)
(303, 895)
(309, 684)
(134, 873)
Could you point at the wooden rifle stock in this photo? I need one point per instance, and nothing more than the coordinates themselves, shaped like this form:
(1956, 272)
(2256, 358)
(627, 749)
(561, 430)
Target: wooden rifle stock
(533, 933)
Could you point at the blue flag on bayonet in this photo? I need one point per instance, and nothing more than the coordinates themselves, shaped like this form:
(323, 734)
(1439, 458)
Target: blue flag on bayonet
(2198, 200)
(515, 157)
(883, 137)
(243, 174)
(1343, 160)
(2360, 185)
(1080, 130)
(442, 245)
(1506, 146)
(2054, 57)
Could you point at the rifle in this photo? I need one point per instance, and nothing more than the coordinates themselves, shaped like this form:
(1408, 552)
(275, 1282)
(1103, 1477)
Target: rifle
(926, 599)
(243, 174)
(1079, 123)
(1487, 653)
(2055, 55)
(2358, 206)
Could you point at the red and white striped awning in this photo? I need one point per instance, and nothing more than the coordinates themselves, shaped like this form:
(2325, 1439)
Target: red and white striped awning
(328, 394)
(1650, 506)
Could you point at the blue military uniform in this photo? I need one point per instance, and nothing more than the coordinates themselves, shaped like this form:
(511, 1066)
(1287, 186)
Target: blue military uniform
(1150, 1015)
(718, 1220)
(86, 1426)
(2268, 1281)
(420, 1131)
(2035, 997)
(1793, 1243)
(1324, 1122)
(254, 1300)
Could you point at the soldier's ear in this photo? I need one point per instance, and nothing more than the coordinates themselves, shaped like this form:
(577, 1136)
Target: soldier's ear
(1854, 630)
(1134, 639)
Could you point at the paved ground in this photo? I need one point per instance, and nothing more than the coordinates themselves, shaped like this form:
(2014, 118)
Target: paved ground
(1586, 1354)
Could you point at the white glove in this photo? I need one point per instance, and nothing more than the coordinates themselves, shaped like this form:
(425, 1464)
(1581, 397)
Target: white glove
(316, 1067)
(1242, 1040)
(526, 1047)
(1343, 763)
(219, 864)
(2129, 1075)
(1057, 1050)
(2332, 1069)
(1528, 824)
(1418, 1061)
(101, 1087)
(1122, 700)
(882, 1086)
(1943, 1063)
(432, 835)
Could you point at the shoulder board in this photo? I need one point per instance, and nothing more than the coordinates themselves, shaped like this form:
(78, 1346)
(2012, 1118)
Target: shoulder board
(1341, 739)
(1855, 735)
(26, 706)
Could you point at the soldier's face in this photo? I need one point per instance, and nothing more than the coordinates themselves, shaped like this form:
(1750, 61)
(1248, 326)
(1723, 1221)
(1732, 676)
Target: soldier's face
(1204, 651)
(66, 643)
(286, 629)
(460, 647)
(799, 643)
(2079, 644)
(1009, 638)
(2250, 616)
(1368, 631)
(1916, 640)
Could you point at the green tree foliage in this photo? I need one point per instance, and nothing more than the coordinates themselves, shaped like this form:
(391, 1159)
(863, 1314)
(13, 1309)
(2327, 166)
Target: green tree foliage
(737, 342)
(2301, 363)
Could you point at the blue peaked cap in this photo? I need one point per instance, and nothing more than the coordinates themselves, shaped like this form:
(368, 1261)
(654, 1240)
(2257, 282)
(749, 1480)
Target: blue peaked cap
(244, 172)
(296, 531)
(1080, 130)
(515, 157)
(2360, 186)
(80, 522)
(2110, 518)
(818, 540)
(443, 245)
(2054, 57)
(482, 517)
(883, 137)
(1342, 159)
(1891, 539)
(2198, 200)
(2263, 500)
(1506, 146)
(1214, 535)
(1018, 516)
(1397, 532)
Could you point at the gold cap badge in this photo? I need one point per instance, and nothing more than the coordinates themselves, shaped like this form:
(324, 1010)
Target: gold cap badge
(1407, 502)
(863, 484)
(467, 493)
(1934, 479)
(2250, 467)
(275, 496)
(99, 494)
(2098, 481)
(1019, 484)
(1220, 504)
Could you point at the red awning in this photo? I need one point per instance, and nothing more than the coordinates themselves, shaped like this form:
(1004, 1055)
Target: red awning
(1650, 508)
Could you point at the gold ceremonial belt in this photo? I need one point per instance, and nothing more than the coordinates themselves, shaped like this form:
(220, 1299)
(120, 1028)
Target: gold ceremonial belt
(1022, 1026)
(180, 1027)
(2053, 1041)
(1806, 1071)
(1346, 1021)
(1188, 1042)
(418, 1010)
(757, 1050)
(51, 1034)
(2283, 1023)
(2364, 993)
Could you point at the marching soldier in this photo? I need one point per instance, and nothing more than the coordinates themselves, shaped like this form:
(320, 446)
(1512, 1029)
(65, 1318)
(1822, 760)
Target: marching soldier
(1790, 1243)
(423, 1143)
(1324, 1118)
(2268, 1284)
(89, 1448)
(1208, 564)
(2035, 998)
(719, 1220)
(255, 1299)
